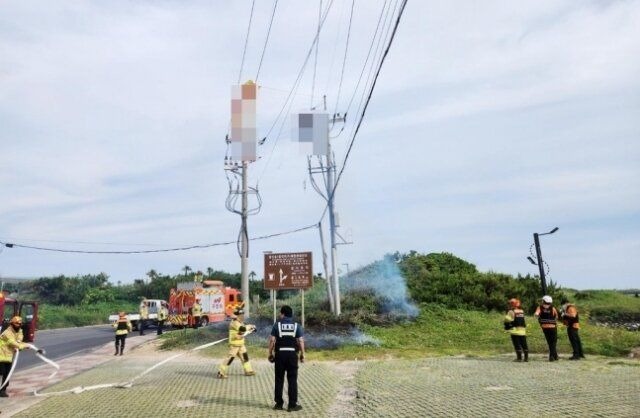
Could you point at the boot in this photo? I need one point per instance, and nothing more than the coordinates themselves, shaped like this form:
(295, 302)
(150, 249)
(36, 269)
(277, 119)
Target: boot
(518, 356)
(526, 356)
(121, 350)
(248, 370)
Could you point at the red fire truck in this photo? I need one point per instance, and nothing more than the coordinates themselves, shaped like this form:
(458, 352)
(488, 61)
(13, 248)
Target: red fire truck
(28, 311)
(217, 301)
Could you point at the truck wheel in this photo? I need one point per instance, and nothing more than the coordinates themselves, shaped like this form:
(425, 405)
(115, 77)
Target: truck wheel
(204, 322)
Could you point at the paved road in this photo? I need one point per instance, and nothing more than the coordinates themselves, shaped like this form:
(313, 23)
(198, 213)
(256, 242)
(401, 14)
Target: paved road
(64, 342)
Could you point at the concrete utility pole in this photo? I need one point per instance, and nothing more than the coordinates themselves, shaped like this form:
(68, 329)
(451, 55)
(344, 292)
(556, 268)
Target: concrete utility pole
(327, 277)
(243, 144)
(335, 281)
(244, 246)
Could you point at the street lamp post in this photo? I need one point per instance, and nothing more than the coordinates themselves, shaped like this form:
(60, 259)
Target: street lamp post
(536, 241)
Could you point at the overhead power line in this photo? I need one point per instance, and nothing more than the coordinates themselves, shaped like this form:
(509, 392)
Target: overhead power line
(366, 104)
(266, 41)
(162, 250)
(246, 41)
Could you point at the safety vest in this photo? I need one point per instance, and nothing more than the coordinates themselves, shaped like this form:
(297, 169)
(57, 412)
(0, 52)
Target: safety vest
(547, 317)
(162, 314)
(514, 322)
(234, 330)
(9, 341)
(196, 309)
(144, 312)
(122, 326)
(286, 338)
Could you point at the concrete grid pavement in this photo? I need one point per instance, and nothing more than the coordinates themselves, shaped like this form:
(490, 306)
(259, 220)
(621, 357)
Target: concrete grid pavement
(466, 387)
(24, 382)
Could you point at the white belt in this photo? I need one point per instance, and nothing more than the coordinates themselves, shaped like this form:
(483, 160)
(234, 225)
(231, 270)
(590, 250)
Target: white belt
(286, 349)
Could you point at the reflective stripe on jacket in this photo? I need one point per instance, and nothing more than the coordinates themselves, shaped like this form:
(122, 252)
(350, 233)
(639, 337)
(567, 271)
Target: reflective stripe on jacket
(9, 341)
(235, 339)
(286, 337)
(514, 322)
(547, 317)
(122, 326)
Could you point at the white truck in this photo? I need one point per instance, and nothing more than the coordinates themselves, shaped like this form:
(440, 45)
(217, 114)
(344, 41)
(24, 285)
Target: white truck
(134, 318)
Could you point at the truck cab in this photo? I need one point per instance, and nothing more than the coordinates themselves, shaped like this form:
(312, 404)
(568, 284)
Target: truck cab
(28, 311)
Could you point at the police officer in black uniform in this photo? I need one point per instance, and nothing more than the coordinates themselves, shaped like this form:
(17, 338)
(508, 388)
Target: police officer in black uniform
(286, 342)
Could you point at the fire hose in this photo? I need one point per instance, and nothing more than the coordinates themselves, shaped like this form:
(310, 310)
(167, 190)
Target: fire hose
(39, 354)
(129, 384)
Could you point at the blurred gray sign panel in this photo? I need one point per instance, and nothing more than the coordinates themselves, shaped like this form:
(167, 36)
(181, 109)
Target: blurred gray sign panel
(288, 271)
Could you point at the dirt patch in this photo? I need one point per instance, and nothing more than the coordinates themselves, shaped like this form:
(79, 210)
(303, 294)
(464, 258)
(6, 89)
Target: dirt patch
(343, 405)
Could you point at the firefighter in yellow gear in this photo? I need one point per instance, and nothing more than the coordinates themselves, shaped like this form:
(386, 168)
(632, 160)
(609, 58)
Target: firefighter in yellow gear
(123, 327)
(10, 341)
(514, 324)
(237, 331)
(144, 315)
(196, 312)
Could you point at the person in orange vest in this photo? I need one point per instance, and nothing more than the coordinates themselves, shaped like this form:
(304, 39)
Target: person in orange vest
(570, 318)
(548, 318)
(10, 341)
(515, 325)
(123, 327)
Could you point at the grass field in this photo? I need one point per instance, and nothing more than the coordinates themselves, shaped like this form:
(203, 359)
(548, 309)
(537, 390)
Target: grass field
(435, 332)
(51, 316)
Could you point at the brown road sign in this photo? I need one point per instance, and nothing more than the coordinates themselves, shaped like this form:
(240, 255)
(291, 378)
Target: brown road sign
(288, 271)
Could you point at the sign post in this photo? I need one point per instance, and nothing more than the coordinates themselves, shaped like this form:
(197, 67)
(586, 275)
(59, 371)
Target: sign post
(284, 271)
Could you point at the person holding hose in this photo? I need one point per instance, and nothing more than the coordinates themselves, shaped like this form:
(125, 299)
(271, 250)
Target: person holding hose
(10, 341)
(548, 318)
(515, 325)
(237, 331)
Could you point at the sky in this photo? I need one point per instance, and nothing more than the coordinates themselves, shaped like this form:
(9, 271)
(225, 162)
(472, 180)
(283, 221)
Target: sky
(489, 121)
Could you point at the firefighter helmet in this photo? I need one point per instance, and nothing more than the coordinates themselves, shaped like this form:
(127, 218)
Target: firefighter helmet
(547, 299)
(122, 314)
(514, 303)
(238, 311)
(16, 320)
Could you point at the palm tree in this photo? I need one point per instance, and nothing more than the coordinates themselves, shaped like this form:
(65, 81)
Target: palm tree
(186, 269)
(210, 272)
(152, 274)
(252, 275)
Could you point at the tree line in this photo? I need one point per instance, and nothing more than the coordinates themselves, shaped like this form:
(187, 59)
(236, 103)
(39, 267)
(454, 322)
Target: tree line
(90, 289)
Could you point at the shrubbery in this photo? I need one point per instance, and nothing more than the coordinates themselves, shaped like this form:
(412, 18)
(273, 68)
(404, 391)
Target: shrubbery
(445, 279)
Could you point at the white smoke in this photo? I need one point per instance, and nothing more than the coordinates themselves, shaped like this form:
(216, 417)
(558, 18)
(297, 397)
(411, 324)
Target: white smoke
(386, 281)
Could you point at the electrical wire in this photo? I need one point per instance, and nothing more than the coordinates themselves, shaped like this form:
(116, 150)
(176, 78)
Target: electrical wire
(301, 71)
(246, 41)
(266, 41)
(163, 250)
(315, 63)
(366, 105)
(344, 59)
